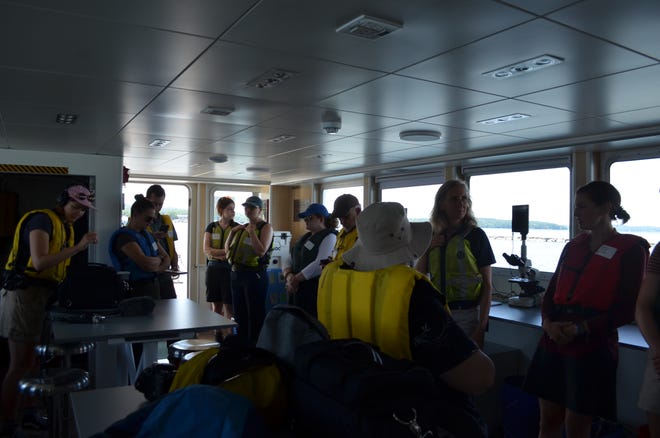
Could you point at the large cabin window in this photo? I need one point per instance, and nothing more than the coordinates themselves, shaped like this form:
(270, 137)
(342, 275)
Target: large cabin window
(330, 194)
(417, 200)
(638, 182)
(238, 196)
(548, 194)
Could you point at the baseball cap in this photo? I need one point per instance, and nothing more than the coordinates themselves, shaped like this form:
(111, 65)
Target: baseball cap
(82, 195)
(253, 201)
(343, 205)
(314, 209)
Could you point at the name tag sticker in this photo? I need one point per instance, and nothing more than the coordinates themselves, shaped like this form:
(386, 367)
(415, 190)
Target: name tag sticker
(606, 251)
(309, 245)
(248, 241)
(154, 246)
(215, 236)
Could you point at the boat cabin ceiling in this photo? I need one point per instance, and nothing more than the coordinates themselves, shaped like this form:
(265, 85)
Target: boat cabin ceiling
(286, 91)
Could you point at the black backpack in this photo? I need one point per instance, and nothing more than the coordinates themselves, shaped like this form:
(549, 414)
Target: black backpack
(94, 286)
(347, 388)
(285, 328)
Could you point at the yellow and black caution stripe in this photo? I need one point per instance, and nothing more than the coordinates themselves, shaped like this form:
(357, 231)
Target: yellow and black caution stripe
(25, 168)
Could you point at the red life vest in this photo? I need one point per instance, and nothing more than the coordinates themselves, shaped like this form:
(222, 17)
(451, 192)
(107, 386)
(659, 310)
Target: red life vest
(591, 280)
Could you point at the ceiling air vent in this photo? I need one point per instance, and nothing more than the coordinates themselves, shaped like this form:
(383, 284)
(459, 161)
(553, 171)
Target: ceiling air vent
(218, 110)
(272, 78)
(369, 27)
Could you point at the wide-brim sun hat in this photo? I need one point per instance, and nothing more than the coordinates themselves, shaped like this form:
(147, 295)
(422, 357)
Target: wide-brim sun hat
(386, 238)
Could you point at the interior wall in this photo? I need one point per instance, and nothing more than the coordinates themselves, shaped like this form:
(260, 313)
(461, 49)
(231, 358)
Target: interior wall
(107, 174)
(281, 198)
(302, 197)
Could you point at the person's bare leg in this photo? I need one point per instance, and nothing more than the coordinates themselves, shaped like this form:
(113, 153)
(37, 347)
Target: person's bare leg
(22, 360)
(552, 419)
(577, 425)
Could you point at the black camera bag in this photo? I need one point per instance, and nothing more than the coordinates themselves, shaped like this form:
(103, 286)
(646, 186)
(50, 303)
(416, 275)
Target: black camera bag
(91, 286)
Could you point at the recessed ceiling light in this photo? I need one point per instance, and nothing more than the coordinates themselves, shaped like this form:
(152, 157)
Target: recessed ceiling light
(319, 156)
(159, 143)
(419, 135)
(504, 119)
(281, 138)
(271, 78)
(369, 27)
(220, 158)
(66, 119)
(217, 110)
(526, 66)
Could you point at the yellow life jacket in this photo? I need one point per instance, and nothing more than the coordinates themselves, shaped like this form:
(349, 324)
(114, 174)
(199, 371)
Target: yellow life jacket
(169, 236)
(345, 241)
(462, 279)
(58, 241)
(242, 253)
(371, 305)
(219, 235)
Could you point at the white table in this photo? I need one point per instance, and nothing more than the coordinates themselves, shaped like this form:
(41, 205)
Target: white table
(96, 409)
(171, 319)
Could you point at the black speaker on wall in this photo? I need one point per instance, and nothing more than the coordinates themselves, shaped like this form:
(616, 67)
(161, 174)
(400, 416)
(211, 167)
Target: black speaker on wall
(520, 219)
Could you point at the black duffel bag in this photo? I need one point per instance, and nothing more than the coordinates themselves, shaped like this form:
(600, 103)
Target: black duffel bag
(347, 388)
(92, 286)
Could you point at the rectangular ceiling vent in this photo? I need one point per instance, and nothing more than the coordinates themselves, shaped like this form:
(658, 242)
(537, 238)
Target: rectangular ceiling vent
(369, 27)
(218, 110)
(272, 78)
(159, 143)
(281, 138)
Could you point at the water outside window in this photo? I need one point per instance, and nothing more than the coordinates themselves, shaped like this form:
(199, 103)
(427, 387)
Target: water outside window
(546, 191)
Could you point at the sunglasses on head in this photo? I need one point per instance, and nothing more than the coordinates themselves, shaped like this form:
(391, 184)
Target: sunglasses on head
(83, 197)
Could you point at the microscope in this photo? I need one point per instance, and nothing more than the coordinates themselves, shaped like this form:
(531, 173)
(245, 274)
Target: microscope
(526, 279)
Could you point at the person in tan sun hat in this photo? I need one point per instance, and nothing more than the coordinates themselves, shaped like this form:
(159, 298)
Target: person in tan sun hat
(375, 295)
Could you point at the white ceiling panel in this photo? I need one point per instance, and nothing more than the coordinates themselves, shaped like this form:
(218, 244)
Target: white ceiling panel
(584, 57)
(134, 71)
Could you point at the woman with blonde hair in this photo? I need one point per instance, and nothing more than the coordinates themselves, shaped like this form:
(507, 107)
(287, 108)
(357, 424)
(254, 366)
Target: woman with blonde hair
(459, 259)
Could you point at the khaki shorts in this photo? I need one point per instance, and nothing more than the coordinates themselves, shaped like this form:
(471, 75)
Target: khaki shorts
(649, 395)
(22, 313)
(467, 319)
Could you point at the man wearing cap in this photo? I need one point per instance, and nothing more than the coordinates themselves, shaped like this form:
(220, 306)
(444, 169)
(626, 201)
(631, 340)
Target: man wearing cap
(346, 209)
(42, 249)
(303, 269)
(162, 228)
(376, 296)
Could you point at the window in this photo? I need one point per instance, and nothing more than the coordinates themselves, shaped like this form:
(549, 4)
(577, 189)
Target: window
(176, 206)
(548, 194)
(329, 195)
(417, 200)
(239, 198)
(638, 182)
